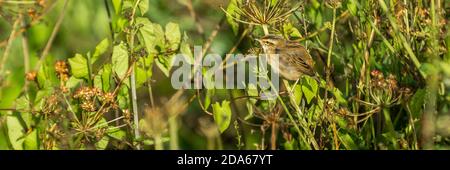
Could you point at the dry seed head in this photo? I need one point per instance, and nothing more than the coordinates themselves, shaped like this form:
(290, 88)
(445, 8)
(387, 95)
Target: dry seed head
(88, 106)
(266, 12)
(31, 76)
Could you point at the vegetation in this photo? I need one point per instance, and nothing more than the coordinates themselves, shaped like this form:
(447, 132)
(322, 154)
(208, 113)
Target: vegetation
(97, 75)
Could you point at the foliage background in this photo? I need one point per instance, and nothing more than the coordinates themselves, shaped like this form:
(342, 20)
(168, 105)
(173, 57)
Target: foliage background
(86, 24)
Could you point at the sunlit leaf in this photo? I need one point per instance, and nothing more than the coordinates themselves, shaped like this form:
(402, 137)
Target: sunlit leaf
(173, 36)
(15, 131)
(120, 60)
(232, 11)
(143, 6)
(222, 115)
(101, 48)
(31, 141)
(78, 66)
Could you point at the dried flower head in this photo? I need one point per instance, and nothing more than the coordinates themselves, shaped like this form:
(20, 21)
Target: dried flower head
(31, 76)
(267, 12)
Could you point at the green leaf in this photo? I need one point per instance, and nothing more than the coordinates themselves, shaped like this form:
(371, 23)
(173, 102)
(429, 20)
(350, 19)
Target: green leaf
(352, 7)
(209, 94)
(106, 77)
(232, 12)
(298, 94)
(31, 141)
(164, 63)
(120, 60)
(116, 133)
(291, 31)
(117, 4)
(347, 141)
(417, 102)
(186, 49)
(103, 79)
(78, 66)
(15, 131)
(23, 105)
(222, 115)
(73, 82)
(173, 36)
(143, 70)
(309, 88)
(143, 6)
(151, 35)
(100, 49)
(103, 143)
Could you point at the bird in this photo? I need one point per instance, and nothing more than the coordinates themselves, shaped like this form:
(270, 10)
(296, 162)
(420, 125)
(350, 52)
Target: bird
(294, 60)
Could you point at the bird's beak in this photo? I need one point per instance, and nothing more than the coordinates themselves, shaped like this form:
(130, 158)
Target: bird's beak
(259, 40)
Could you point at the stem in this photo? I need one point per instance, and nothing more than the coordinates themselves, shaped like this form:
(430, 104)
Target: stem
(133, 82)
(265, 29)
(328, 72)
(26, 57)
(89, 66)
(173, 129)
(9, 44)
(108, 12)
(53, 35)
(429, 117)
(158, 142)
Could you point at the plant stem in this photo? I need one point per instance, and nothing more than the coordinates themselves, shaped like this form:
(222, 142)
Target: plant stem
(53, 35)
(9, 44)
(158, 142)
(173, 130)
(328, 72)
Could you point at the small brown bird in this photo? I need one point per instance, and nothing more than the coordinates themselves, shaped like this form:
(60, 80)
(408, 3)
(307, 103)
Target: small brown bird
(294, 60)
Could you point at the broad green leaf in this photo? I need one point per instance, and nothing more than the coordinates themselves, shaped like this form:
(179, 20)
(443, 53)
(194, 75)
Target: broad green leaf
(103, 143)
(151, 35)
(298, 94)
(117, 133)
(106, 77)
(143, 70)
(103, 78)
(4, 143)
(352, 7)
(31, 141)
(186, 49)
(73, 82)
(120, 60)
(222, 115)
(15, 132)
(41, 95)
(173, 36)
(291, 31)
(417, 102)
(309, 88)
(232, 13)
(117, 4)
(347, 141)
(309, 94)
(428, 69)
(44, 76)
(101, 48)
(23, 106)
(143, 6)
(78, 66)
(209, 94)
(164, 63)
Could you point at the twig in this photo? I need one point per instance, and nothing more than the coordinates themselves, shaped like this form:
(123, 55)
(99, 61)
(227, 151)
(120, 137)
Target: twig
(53, 35)
(194, 15)
(9, 44)
(108, 12)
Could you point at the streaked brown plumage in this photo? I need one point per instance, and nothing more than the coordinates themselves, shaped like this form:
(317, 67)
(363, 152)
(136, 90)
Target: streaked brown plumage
(294, 59)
